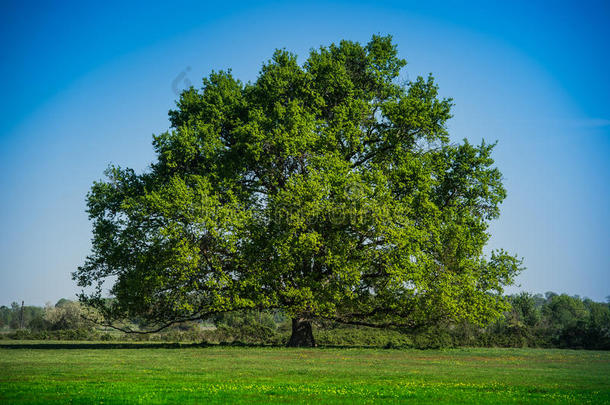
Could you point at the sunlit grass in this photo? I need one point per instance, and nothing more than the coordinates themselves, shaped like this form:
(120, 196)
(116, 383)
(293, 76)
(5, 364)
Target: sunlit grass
(233, 374)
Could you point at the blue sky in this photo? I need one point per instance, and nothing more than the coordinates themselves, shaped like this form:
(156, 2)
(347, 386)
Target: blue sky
(85, 86)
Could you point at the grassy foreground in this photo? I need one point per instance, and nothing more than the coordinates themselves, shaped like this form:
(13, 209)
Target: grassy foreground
(36, 372)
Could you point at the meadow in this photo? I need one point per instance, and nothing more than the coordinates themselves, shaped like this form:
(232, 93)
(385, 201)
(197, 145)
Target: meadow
(152, 373)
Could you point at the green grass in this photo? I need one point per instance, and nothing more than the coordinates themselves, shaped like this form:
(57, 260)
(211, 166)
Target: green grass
(149, 374)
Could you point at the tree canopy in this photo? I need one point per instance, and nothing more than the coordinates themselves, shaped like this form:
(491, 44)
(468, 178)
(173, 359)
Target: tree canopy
(328, 189)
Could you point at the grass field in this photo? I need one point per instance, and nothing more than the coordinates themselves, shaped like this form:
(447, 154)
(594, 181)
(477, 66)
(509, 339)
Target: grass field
(36, 372)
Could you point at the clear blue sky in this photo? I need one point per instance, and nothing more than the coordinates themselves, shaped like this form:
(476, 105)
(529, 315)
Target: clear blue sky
(84, 86)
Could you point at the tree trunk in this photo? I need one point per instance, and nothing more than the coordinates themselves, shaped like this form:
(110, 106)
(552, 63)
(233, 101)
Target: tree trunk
(302, 335)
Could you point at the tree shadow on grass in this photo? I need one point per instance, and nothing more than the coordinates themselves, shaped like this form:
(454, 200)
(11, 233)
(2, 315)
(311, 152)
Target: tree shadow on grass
(122, 345)
(155, 345)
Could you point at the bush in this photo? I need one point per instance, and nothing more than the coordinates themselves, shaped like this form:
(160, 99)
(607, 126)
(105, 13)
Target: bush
(69, 334)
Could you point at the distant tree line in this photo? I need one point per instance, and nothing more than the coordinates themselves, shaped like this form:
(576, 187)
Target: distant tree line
(534, 320)
(556, 320)
(65, 319)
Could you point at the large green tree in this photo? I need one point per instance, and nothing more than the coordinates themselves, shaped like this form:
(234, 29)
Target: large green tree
(328, 189)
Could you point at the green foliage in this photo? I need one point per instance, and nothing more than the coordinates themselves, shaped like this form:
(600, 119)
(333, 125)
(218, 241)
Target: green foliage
(564, 311)
(554, 321)
(61, 302)
(239, 319)
(65, 315)
(63, 334)
(328, 190)
(524, 310)
(11, 317)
